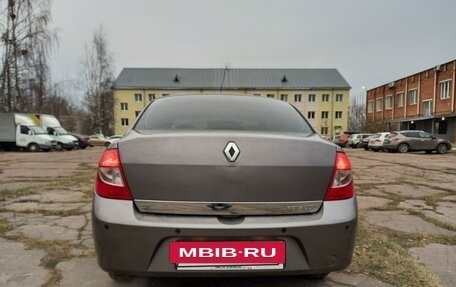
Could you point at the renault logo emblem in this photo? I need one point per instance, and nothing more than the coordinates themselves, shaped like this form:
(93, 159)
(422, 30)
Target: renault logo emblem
(231, 151)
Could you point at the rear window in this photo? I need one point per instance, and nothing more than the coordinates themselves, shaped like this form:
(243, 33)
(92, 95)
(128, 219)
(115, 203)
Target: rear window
(391, 135)
(221, 112)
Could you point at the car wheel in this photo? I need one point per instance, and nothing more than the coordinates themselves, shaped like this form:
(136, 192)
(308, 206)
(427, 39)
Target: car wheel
(46, 150)
(83, 147)
(375, 149)
(403, 148)
(442, 148)
(33, 147)
(69, 148)
(120, 277)
(366, 148)
(107, 144)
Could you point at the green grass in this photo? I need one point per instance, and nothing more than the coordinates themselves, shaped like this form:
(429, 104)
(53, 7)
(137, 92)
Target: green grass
(53, 279)
(382, 256)
(56, 250)
(4, 227)
(6, 194)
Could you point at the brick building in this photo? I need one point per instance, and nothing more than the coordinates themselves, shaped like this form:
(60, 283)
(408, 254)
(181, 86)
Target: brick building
(422, 101)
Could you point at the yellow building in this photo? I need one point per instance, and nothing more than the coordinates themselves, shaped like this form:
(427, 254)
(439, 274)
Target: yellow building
(321, 95)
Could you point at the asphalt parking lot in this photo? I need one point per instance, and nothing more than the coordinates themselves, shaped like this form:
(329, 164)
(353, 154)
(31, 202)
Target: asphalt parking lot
(407, 228)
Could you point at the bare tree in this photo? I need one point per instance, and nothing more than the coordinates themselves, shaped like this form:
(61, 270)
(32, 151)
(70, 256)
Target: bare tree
(97, 79)
(357, 113)
(25, 42)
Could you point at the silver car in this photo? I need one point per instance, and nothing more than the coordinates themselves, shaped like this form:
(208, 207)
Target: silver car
(376, 141)
(223, 185)
(414, 140)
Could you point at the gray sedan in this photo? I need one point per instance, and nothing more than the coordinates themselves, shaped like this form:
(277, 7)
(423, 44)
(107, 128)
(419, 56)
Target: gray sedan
(223, 185)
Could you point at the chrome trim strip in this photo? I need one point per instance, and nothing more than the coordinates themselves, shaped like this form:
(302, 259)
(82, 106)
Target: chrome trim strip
(220, 267)
(228, 208)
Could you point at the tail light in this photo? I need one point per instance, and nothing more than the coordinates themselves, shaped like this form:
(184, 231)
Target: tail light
(342, 181)
(110, 181)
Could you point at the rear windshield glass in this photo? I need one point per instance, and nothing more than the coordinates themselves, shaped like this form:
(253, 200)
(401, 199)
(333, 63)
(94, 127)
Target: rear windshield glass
(218, 112)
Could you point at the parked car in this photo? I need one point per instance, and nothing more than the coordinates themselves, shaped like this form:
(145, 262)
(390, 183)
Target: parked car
(114, 138)
(342, 140)
(228, 186)
(354, 140)
(414, 140)
(98, 140)
(376, 142)
(83, 141)
(365, 142)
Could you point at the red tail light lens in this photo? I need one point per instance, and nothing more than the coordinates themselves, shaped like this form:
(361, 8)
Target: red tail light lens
(342, 181)
(110, 179)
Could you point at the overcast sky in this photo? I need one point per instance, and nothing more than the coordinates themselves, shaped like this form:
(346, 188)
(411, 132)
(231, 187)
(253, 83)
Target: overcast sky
(370, 42)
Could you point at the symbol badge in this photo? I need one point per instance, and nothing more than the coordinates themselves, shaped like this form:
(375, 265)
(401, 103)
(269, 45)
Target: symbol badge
(231, 151)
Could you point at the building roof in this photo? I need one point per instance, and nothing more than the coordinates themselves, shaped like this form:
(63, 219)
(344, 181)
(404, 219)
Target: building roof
(178, 78)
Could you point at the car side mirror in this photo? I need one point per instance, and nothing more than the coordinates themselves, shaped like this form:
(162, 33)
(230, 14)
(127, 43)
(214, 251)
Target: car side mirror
(30, 133)
(433, 137)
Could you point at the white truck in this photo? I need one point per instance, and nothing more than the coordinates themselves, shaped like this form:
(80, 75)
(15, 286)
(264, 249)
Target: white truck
(52, 126)
(20, 131)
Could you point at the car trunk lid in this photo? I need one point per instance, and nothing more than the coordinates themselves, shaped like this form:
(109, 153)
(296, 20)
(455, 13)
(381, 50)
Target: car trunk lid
(190, 173)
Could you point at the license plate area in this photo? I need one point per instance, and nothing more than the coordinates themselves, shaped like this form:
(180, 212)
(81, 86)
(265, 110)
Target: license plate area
(227, 255)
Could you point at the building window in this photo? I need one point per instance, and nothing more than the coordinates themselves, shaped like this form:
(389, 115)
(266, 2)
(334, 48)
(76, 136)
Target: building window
(339, 98)
(445, 90)
(124, 106)
(338, 115)
(311, 115)
(311, 97)
(412, 97)
(388, 102)
(324, 130)
(284, 97)
(137, 113)
(324, 115)
(325, 98)
(270, 95)
(138, 98)
(124, 121)
(400, 100)
(257, 95)
(164, 95)
(427, 108)
(297, 97)
(370, 107)
(379, 104)
(151, 97)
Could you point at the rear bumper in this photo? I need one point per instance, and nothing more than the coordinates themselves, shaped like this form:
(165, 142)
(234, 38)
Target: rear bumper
(130, 242)
(389, 147)
(375, 146)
